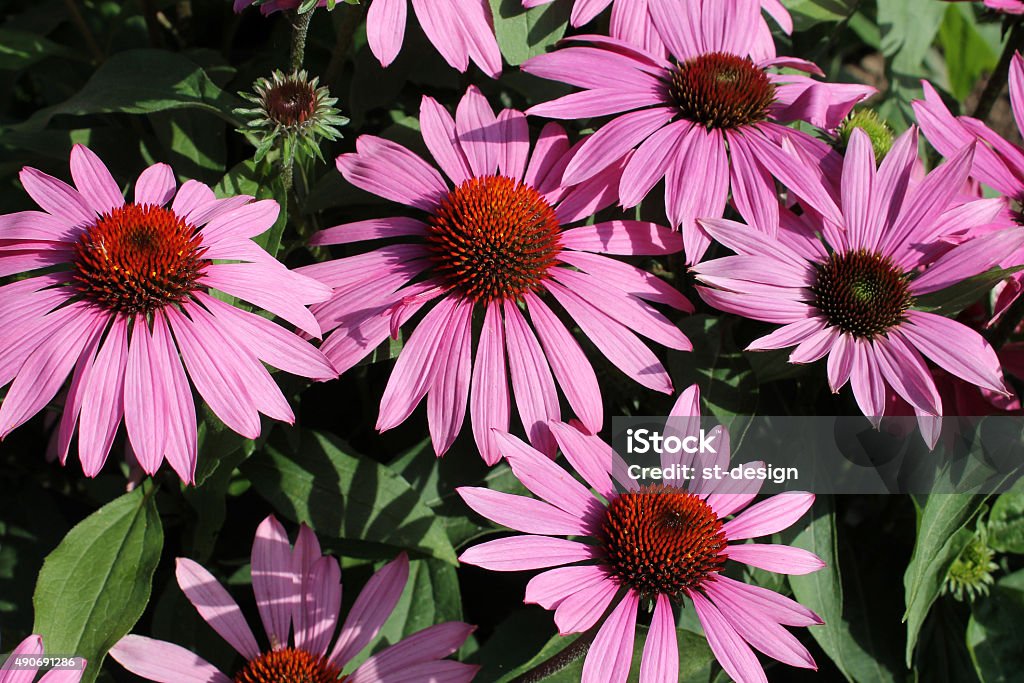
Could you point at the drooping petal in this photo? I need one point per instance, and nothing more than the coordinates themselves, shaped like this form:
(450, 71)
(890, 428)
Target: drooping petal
(612, 652)
(661, 651)
(489, 404)
(526, 552)
(955, 348)
(163, 662)
(371, 609)
(731, 651)
(385, 29)
(216, 606)
(769, 516)
(532, 383)
(522, 513)
(781, 559)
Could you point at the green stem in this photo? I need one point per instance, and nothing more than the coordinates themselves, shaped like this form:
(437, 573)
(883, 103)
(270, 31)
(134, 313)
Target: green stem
(550, 667)
(997, 81)
(299, 39)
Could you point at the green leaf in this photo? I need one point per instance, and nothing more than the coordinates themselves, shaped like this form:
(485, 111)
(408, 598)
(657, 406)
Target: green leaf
(823, 592)
(728, 385)
(1006, 522)
(994, 635)
(94, 587)
(19, 50)
(969, 55)
(320, 482)
(952, 300)
(908, 29)
(941, 535)
(806, 13)
(523, 33)
(142, 82)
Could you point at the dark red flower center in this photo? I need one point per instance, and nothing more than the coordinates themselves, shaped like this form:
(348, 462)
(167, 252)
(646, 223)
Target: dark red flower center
(662, 540)
(291, 103)
(721, 90)
(136, 259)
(493, 238)
(289, 666)
(862, 292)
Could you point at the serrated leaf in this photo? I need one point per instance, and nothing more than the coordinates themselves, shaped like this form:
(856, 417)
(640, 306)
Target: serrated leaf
(940, 538)
(343, 495)
(94, 587)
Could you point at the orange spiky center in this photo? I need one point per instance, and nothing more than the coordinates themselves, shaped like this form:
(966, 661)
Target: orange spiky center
(290, 103)
(721, 90)
(862, 292)
(493, 239)
(138, 258)
(662, 540)
(289, 666)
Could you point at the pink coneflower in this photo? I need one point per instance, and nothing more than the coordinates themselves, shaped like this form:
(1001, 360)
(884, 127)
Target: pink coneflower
(998, 163)
(652, 544)
(298, 593)
(460, 30)
(492, 245)
(707, 113)
(33, 647)
(632, 22)
(128, 289)
(846, 284)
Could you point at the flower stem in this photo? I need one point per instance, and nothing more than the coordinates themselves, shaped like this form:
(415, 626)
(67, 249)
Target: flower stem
(570, 654)
(997, 81)
(301, 28)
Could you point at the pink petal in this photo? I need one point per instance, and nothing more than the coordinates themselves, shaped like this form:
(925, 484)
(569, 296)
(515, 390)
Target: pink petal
(781, 559)
(414, 370)
(769, 516)
(628, 278)
(103, 406)
(588, 454)
(274, 582)
(447, 395)
(612, 651)
(782, 609)
(429, 645)
(441, 26)
(624, 238)
(317, 617)
(753, 188)
(528, 515)
(867, 382)
(526, 552)
(548, 589)
(156, 185)
(216, 606)
(489, 405)
(514, 145)
(385, 29)
(163, 662)
(651, 161)
(477, 132)
(815, 346)
(840, 362)
(56, 197)
(686, 201)
(787, 335)
(376, 228)
(955, 348)
(371, 609)
(616, 342)
(181, 443)
(252, 284)
(31, 646)
(582, 609)
(968, 259)
(438, 128)
(857, 189)
(905, 371)
(391, 171)
(613, 140)
(94, 181)
(145, 399)
(660, 660)
(574, 372)
(731, 651)
(532, 383)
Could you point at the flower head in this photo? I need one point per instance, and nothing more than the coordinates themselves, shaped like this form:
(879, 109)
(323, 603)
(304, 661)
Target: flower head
(871, 123)
(32, 647)
(126, 298)
(848, 278)
(708, 112)
(298, 594)
(666, 546)
(292, 110)
(492, 245)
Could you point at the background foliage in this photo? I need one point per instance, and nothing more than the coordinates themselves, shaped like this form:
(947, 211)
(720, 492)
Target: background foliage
(139, 81)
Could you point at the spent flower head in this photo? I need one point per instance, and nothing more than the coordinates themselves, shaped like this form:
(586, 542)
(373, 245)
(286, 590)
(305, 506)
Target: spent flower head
(293, 112)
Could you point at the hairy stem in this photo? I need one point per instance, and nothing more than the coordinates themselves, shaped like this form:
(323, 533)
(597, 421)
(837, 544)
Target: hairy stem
(301, 29)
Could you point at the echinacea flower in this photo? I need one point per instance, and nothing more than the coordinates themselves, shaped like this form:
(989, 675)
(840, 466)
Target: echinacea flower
(460, 30)
(32, 647)
(298, 592)
(654, 544)
(491, 245)
(998, 162)
(707, 114)
(632, 22)
(848, 282)
(127, 296)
